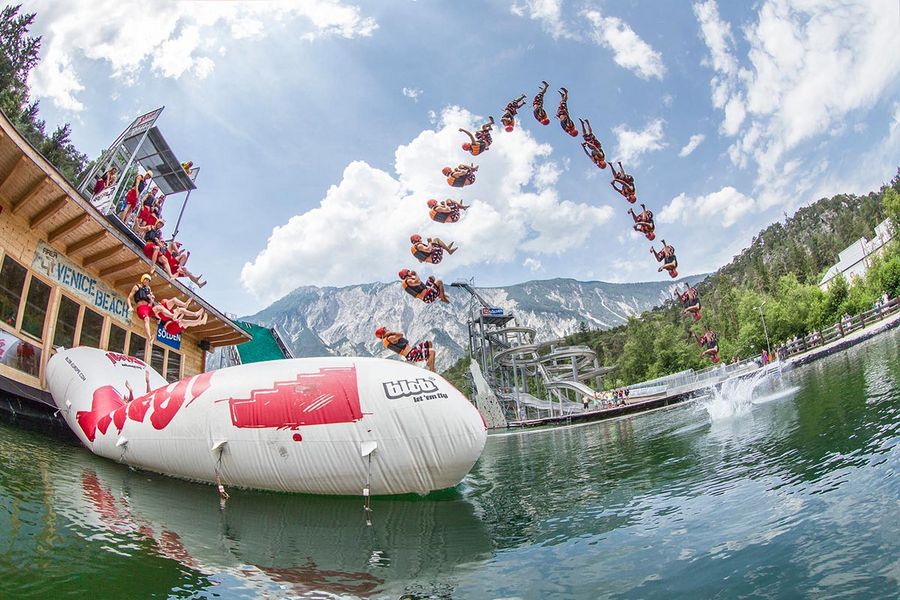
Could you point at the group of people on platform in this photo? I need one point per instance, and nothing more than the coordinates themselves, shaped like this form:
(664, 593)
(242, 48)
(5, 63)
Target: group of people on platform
(174, 313)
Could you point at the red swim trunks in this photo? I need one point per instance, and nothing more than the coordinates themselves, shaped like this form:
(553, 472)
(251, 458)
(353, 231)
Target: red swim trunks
(131, 198)
(144, 311)
(419, 352)
(173, 328)
(149, 247)
(431, 294)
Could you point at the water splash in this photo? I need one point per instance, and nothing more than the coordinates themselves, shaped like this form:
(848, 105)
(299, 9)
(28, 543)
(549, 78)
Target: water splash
(734, 397)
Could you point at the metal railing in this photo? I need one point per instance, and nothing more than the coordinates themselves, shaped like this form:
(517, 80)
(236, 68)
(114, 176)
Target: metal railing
(839, 330)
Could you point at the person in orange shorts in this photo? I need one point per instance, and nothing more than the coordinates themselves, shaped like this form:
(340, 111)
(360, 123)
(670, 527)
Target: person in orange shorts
(431, 252)
(446, 211)
(481, 141)
(538, 103)
(461, 176)
(396, 341)
(509, 113)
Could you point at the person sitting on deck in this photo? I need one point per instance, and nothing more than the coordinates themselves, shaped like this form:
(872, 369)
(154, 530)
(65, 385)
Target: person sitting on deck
(623, 183)
(446, 211)
(538, 103)
(428, 291)
(142, 297)
(461, 176)
(131, 198)
(509, 113)
(481, 141)
(562, 113)
(155, 248)
(432, 252)
(149, 213)
(667, 257)
(690, 300)
(643, 222)
(396, 341)
(107, 180)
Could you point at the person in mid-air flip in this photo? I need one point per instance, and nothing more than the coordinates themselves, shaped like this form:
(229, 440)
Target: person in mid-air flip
(538, 103)
(597, 156)
(481, 141)
(643, 222)
(562, 113)
(509, 113)
(446, 211)
(623, 183)
(430, 252)
(690, 300)
(427, 291)
(461, 176)
(667, 257)
(709, 341)
(396, 341)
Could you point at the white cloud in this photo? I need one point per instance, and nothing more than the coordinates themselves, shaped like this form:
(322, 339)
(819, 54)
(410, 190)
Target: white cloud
(172, 39)
(533, 265)
(360, 229)
(812, 68)
(629, 50)
(692, 144)
(548, 13)
(727, 203)
(411, 92)
(630, 144)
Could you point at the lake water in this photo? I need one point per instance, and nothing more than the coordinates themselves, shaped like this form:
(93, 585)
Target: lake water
(785, 487)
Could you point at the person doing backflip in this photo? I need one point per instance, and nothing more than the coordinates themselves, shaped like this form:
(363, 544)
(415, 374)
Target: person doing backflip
(481, 141)
(690, 300)
(432, 252)
(709, 341)
(538, 103)
(461, 176)
(427, 291)
(562, 113)
(509, 113)
(667, 257)
(591, 145)
(396, 341)
(173, 313)
(643, 222)
(446, 211)
(623, 183)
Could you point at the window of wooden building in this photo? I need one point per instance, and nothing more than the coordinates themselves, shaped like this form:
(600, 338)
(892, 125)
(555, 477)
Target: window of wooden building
(116, 341)
(173, 367)
(12, 284)
(36, 303)
(91, 329)
(158, 358)
(136, 346)
(66, 322)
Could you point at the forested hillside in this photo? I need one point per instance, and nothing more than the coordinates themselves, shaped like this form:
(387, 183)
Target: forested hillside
(776, 276)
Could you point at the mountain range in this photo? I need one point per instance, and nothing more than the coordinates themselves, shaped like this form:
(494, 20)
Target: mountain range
(322, 321)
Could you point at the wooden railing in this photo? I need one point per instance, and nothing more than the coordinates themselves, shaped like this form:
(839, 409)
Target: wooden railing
(840, 329)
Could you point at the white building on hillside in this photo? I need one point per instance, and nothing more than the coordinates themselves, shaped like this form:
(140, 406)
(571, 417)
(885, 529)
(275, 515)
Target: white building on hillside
(854, 260)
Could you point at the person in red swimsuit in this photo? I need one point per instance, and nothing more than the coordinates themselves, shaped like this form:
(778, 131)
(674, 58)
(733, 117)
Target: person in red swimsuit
(643, 222)
(142, 297)
(481, 141)
(538, 103)
(461, 176)
(131, 198)
(667, 257)
(396, 341)
(562, 113)
(427, 291)
(155, 248)
(173, 313)
(690, 300)
(446, 211)
(509, 113)
(432, 252)
(177, 258)
(592, 146)
(107, 180)
(623, 183)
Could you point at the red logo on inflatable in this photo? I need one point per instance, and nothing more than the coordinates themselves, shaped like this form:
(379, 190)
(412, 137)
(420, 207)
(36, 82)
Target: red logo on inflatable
(323, 398)
(108, 406)
(115, 358)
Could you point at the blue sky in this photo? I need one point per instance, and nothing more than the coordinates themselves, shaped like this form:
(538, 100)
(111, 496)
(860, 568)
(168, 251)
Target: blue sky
(320, 127)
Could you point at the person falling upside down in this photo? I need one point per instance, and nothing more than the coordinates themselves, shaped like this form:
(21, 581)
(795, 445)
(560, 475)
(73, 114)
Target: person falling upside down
(481, 141)
(446, 211)
(428, 291)
(562, 113)
(461, 176)
(690, 300)
(667, 257)
(623, 183)
(396, 341)
(643, 222)
(509, 113)
(710, 342)
(539, 113)
(432, 252)
(597, 156)
(592, 143)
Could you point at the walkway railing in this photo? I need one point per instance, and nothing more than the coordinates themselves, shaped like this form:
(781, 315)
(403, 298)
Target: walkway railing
(840, 329)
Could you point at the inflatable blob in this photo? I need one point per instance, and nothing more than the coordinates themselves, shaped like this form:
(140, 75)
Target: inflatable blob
(313, 425)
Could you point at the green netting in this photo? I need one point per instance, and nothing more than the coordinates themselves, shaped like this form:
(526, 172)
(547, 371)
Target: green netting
(262, 347)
